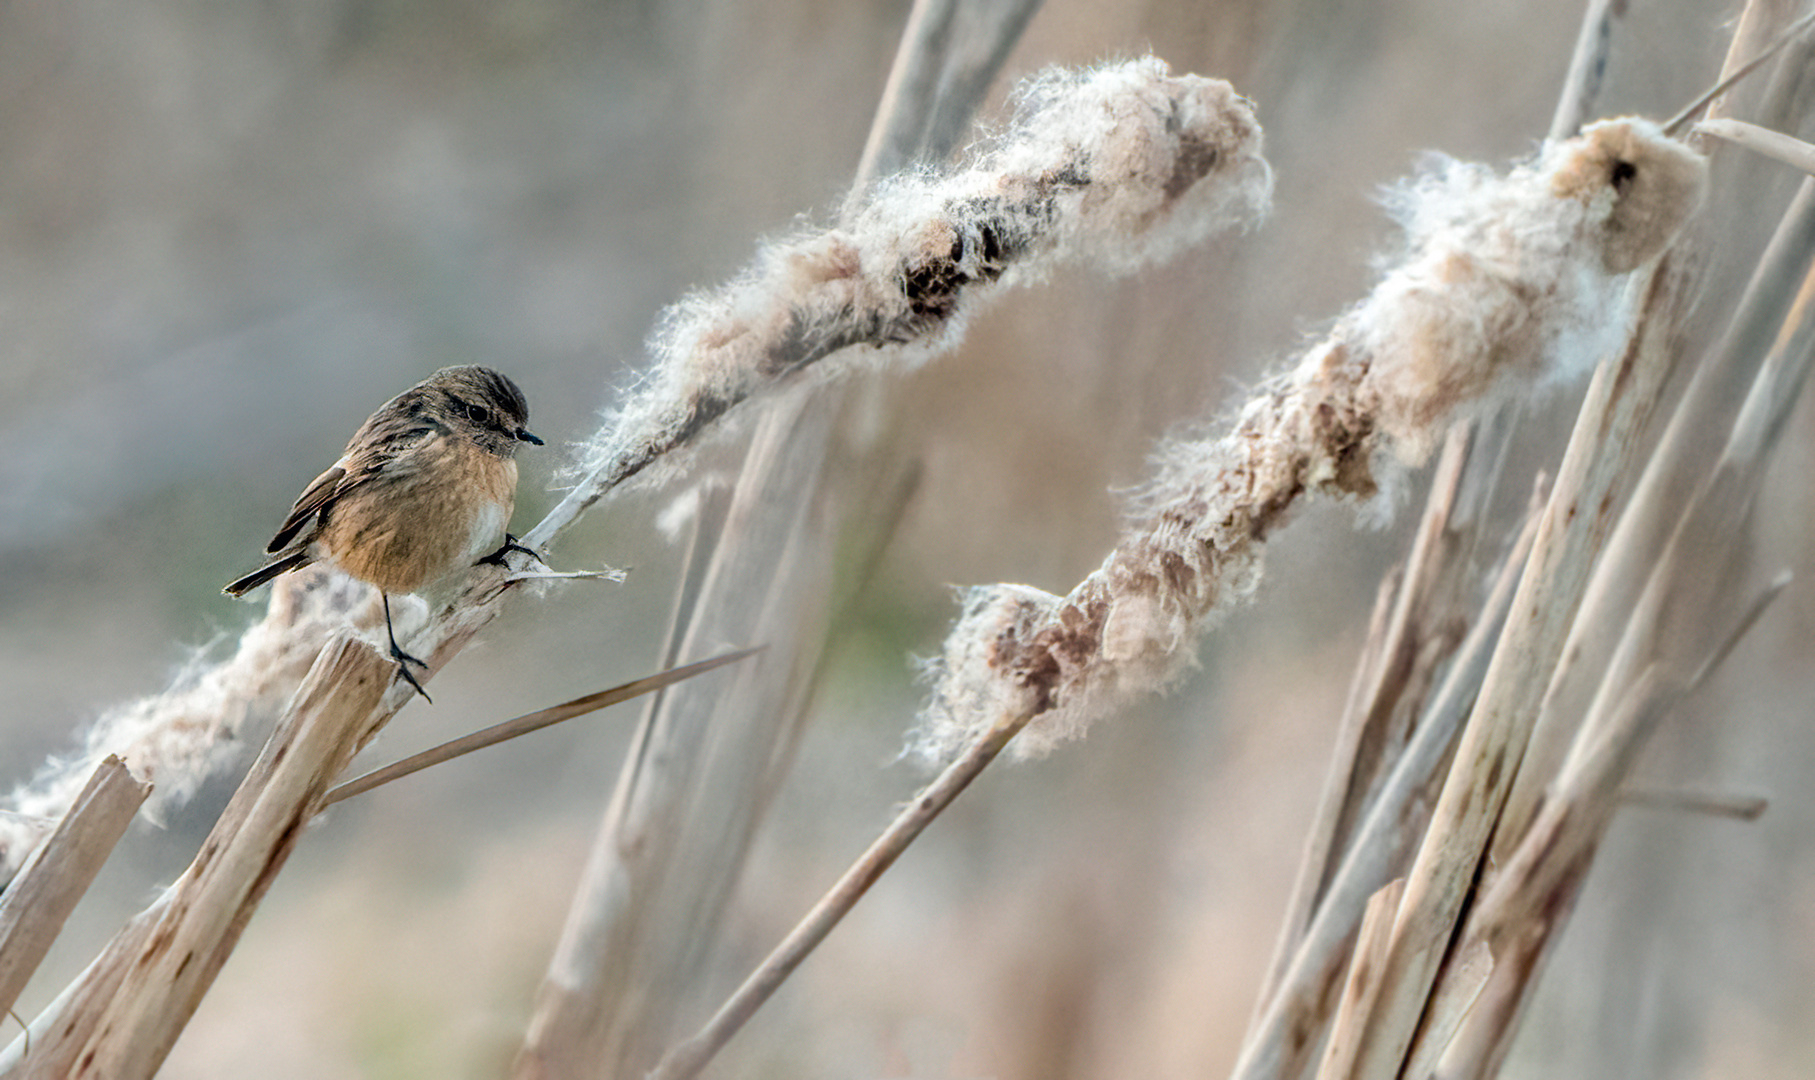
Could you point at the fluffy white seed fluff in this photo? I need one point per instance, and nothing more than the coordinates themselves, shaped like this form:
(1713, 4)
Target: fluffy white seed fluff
(1114, 167)
(1504, 281)
(178, 739)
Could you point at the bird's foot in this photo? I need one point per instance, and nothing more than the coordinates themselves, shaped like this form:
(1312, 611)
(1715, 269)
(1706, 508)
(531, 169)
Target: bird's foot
(496, 558)
(404, 660)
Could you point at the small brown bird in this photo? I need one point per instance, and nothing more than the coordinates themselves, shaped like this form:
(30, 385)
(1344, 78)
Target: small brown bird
(425, 487)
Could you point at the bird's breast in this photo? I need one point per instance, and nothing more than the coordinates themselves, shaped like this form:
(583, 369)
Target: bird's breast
(438, 513)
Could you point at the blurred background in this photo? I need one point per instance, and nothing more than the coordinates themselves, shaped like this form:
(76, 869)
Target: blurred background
(229, 231)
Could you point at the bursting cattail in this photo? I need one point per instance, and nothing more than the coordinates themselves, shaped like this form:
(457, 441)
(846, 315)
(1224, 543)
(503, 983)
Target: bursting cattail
(1504, 282)
(1113, 167)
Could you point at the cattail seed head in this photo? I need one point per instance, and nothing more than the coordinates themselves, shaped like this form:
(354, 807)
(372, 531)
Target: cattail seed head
(1505, 282)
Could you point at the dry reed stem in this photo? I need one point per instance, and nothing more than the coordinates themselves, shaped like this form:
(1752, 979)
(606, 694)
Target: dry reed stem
(1391, 680)
(1733, 76)
(1773, 144)
(679, 823)
(1664, 633)
(60, 870)
(1418, 638)
(1620, 399)
(1651, 514)
(1430, 567)
(559, 1035)
(1711, 803)
(1465, 978)
(124, 1013)
(178, 738)
(523, 725)
(1528, 901)
(689, 1057)
(1371, 941)
(1417, 952)
(950, 53)
(1587, 68)
(1320, 848)
(1292, 1019)
(1718, 381)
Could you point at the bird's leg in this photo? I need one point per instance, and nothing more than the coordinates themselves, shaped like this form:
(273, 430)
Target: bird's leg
(496, 558)
(404, 660)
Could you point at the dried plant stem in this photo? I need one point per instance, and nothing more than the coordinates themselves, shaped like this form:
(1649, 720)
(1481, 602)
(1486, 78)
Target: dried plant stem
(127, 1010)
(1408, 656)
(689, 1057)
(950, 52)
(40, 898)
(1651, 514)
(1619, 401)
(1731, 77)
(1587, 67)
(1714, 804)
(1286, 1030)
(1663, 642)
(1773, 144)
(679, 822)
(1371, 942)
(1382, 686)
(1547, 871)
(523, 725)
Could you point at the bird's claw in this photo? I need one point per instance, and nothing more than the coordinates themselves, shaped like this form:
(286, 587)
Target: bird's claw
(510, 544)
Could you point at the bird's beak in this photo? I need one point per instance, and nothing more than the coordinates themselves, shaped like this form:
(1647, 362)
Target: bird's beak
(524, 436)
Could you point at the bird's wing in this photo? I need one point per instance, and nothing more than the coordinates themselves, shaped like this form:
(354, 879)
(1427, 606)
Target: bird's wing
(379, 445)
(314, 499)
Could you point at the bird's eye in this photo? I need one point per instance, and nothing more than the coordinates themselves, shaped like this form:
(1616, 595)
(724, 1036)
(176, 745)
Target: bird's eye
(478, 414)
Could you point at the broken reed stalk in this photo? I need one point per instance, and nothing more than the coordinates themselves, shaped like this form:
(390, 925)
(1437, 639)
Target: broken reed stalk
(40, 898)
(125, 1012)
(1371, 941)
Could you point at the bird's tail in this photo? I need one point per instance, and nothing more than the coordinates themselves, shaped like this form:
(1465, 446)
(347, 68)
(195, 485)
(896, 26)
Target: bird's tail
(292, 561)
